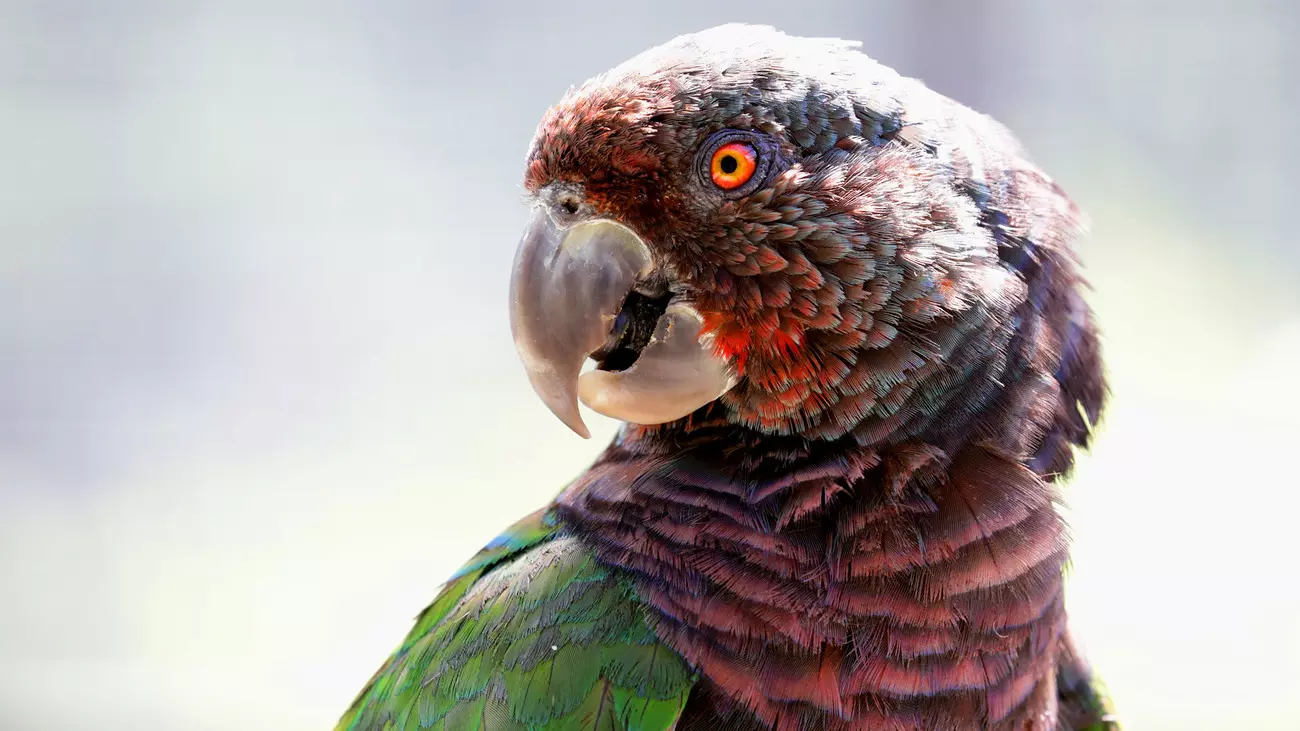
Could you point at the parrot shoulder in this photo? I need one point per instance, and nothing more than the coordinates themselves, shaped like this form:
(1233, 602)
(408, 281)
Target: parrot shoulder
(532, 634)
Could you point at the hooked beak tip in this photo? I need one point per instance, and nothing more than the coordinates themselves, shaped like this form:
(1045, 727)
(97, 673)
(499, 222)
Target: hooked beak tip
(558, 391)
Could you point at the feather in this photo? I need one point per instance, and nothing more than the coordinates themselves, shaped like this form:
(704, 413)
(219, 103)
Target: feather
(541, 637)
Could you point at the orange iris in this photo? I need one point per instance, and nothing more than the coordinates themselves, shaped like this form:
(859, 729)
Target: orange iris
(733, 165)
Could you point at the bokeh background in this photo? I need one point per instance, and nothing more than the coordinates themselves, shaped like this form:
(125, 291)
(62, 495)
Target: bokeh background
(258, 396)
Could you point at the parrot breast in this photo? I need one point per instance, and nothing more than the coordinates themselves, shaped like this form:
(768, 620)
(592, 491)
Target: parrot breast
(899, 588)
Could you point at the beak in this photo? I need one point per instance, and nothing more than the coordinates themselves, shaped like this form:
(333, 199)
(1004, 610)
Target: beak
(566, 291)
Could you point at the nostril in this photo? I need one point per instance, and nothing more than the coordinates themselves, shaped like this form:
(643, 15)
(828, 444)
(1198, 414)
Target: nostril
(570, 203)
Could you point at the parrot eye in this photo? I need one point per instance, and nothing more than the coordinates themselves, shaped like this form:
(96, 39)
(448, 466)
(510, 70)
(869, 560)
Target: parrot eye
(735, 161)
(733, 165)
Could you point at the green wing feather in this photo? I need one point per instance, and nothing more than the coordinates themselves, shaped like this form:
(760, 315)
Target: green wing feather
(531, 635)
(1084, 704)
(1098, 709)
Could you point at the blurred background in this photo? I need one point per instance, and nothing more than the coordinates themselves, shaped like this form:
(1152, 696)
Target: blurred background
(258, 397)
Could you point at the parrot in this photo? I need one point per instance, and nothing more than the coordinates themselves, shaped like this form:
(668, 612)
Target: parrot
(842, 321)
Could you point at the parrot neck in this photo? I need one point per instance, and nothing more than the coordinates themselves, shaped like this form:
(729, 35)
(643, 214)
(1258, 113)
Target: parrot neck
(839, 585)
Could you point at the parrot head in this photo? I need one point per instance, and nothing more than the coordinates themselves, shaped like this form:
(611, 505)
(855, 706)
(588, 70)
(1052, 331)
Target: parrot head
(770, 227)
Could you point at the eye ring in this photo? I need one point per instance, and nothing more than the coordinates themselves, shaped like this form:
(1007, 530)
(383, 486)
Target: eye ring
(735, 162)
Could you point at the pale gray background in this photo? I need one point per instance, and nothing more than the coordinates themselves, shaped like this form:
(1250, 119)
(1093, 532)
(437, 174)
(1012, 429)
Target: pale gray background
(257, 392)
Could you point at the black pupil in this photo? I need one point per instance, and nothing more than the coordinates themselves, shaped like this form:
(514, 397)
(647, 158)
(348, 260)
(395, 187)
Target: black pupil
(728, 164)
